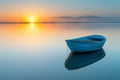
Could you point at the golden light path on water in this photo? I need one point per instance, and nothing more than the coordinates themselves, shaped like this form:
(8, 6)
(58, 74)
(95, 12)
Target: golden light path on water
(32, 26)
(32, 36)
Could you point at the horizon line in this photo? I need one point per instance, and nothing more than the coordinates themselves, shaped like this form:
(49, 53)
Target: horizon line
(51, 22)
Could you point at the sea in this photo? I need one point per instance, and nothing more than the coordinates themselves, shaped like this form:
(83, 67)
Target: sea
(39, 52)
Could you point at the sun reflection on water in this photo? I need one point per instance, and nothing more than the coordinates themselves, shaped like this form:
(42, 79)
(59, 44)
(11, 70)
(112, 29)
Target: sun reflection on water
(32, 26)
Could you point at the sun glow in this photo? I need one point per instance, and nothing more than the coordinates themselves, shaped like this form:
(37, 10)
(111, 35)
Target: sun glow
(32, 19)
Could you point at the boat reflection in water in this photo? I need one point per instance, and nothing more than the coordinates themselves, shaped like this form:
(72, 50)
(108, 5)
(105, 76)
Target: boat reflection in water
(79, 60)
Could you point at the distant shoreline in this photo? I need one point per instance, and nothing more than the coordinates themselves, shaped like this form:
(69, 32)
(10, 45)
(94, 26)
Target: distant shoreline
(50, 22)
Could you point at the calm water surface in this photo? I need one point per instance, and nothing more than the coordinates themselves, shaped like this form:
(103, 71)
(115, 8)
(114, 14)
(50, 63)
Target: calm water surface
(39, 52)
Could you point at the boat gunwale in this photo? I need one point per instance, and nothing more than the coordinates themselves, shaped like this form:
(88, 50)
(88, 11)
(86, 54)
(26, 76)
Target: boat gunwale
(77, 40)
(90, 42)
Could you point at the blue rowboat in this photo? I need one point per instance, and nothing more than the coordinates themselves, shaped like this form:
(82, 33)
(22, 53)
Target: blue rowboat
(86, 44)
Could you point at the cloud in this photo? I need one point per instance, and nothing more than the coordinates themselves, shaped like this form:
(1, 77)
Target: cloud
(80, 17)
(88, 18)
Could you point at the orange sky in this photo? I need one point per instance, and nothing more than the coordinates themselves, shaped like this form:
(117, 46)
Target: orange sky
(20, 10)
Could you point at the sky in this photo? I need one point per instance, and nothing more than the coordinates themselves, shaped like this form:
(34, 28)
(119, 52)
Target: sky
(61, 10)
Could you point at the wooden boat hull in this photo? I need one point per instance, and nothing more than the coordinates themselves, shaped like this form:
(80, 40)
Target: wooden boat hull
(86, 44)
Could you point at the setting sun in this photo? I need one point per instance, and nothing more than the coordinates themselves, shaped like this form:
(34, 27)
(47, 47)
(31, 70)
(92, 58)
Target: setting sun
(32, 19)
